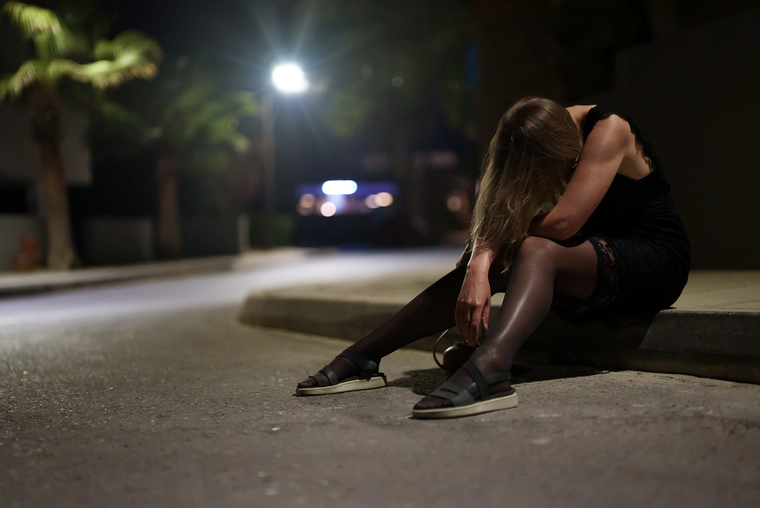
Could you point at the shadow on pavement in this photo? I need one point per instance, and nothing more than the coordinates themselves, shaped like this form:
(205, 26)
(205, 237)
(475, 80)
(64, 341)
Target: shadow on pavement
(424, 381)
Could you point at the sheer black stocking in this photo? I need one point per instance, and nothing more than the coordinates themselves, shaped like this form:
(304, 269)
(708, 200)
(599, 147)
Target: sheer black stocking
(432, 311)
(540, 267)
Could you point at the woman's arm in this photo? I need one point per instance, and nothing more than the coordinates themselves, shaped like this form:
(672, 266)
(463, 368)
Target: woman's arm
(600, 159)
(474, 302)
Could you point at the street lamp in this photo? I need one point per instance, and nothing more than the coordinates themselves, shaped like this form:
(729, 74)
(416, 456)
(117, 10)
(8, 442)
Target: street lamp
(287, 78)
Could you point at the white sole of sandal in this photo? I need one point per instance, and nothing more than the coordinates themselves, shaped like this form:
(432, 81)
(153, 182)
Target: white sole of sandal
(378, 381)
(486, 406)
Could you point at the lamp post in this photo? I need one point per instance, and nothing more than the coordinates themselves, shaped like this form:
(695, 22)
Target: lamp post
(287, 78)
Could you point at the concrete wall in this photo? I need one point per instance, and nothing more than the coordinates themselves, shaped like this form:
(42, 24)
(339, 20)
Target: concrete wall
(213, 236)
(117, 240)
(697, 98)
(113, 240)
(12, 228)
(19, 155)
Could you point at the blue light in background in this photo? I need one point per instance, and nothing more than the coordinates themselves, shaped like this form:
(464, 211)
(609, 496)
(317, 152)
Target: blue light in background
(339, 187)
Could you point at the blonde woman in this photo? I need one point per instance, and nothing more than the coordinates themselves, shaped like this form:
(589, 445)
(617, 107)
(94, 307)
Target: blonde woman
(575, 214)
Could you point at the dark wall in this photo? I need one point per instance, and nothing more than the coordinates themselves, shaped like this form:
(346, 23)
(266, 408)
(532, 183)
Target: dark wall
(696, 96)
(515, 58)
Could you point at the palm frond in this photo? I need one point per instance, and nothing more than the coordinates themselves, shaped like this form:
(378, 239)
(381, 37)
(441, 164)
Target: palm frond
(136, 60)
(49, 46)
(242, 104)
(190, 99)
(52, 39)
(30, 72)
(213, 117)
(33, 20)
(222, 131)
(62, 67)
(127, 43)
(202, 117)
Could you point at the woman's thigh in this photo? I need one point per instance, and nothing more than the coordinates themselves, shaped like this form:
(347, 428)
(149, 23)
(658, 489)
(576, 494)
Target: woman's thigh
(572, 263)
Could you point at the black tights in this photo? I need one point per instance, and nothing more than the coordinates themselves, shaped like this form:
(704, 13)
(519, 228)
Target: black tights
(541, 267)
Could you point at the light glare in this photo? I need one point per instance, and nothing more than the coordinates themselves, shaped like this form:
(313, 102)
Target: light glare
(306, 201)
(339, 187)
(328, 209)
(289, 78)
(454, 203)
(370, 201)
(384, 199)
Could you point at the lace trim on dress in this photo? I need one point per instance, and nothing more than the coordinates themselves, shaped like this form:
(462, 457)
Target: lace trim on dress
(605, 290)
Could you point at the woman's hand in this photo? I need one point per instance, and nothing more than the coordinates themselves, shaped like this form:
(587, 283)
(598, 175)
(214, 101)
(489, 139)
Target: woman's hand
(474, 302)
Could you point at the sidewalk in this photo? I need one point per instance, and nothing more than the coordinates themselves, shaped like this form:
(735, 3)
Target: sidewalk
(49, 280)
(713, 330)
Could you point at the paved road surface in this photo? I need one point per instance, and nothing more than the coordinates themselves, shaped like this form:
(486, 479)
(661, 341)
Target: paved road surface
(151, 394)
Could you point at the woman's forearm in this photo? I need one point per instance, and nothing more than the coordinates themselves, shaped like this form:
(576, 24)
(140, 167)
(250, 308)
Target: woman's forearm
(482, 257)
(546, 226)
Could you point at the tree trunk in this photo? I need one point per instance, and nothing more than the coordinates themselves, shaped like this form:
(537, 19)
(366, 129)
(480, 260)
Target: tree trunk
(168, 237)
(61, 254)
(515, 59)
(401, 173)
(410, 183)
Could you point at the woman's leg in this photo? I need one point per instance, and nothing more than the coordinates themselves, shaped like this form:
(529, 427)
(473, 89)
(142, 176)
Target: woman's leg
(541, 267)
(432, 311)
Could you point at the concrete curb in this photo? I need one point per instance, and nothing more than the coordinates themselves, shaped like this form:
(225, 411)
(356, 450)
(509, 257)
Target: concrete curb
(724, 345)
(45, 281)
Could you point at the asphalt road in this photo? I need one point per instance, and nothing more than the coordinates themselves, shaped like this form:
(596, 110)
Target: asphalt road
(152, 394)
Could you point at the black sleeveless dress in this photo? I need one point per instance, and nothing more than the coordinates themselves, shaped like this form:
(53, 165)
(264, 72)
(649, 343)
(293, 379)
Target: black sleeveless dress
(643, 252)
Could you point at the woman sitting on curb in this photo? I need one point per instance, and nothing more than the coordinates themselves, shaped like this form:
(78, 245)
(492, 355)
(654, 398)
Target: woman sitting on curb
(574, 214)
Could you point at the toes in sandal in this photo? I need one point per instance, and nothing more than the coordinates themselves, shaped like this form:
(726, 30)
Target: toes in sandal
(473, 400)
(328, 382)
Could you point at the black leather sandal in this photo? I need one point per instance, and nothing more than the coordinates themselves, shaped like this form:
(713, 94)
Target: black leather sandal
(327, 379)
(473, 400)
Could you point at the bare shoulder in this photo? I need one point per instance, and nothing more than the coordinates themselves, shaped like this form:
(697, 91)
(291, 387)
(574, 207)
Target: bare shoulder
(613, 123)
(611, 133)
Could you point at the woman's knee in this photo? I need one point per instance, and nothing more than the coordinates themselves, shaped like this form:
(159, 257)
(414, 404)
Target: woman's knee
(536, 248)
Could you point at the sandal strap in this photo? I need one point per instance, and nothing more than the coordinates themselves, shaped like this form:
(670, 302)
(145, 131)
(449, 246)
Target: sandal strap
(321, 379)
(331, 375)
(477, 376)
(454, 393)
(459, 396)
(368, 367)
(326, 377)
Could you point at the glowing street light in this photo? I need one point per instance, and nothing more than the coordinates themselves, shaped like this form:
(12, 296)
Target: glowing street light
(287, 78)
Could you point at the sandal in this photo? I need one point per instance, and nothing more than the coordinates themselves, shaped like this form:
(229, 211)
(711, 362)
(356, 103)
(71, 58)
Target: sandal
(327, 379)
(473, 400)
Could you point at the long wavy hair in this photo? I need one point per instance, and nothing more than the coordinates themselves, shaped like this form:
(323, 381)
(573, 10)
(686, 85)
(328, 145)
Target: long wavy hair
(527, 166)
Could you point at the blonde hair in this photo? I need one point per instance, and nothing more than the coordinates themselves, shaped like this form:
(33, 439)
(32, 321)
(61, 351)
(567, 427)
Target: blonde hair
(527, 166)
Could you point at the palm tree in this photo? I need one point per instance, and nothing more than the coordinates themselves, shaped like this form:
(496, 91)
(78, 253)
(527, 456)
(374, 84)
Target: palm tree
(61, 55)
(196, 129)
(190, 127)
